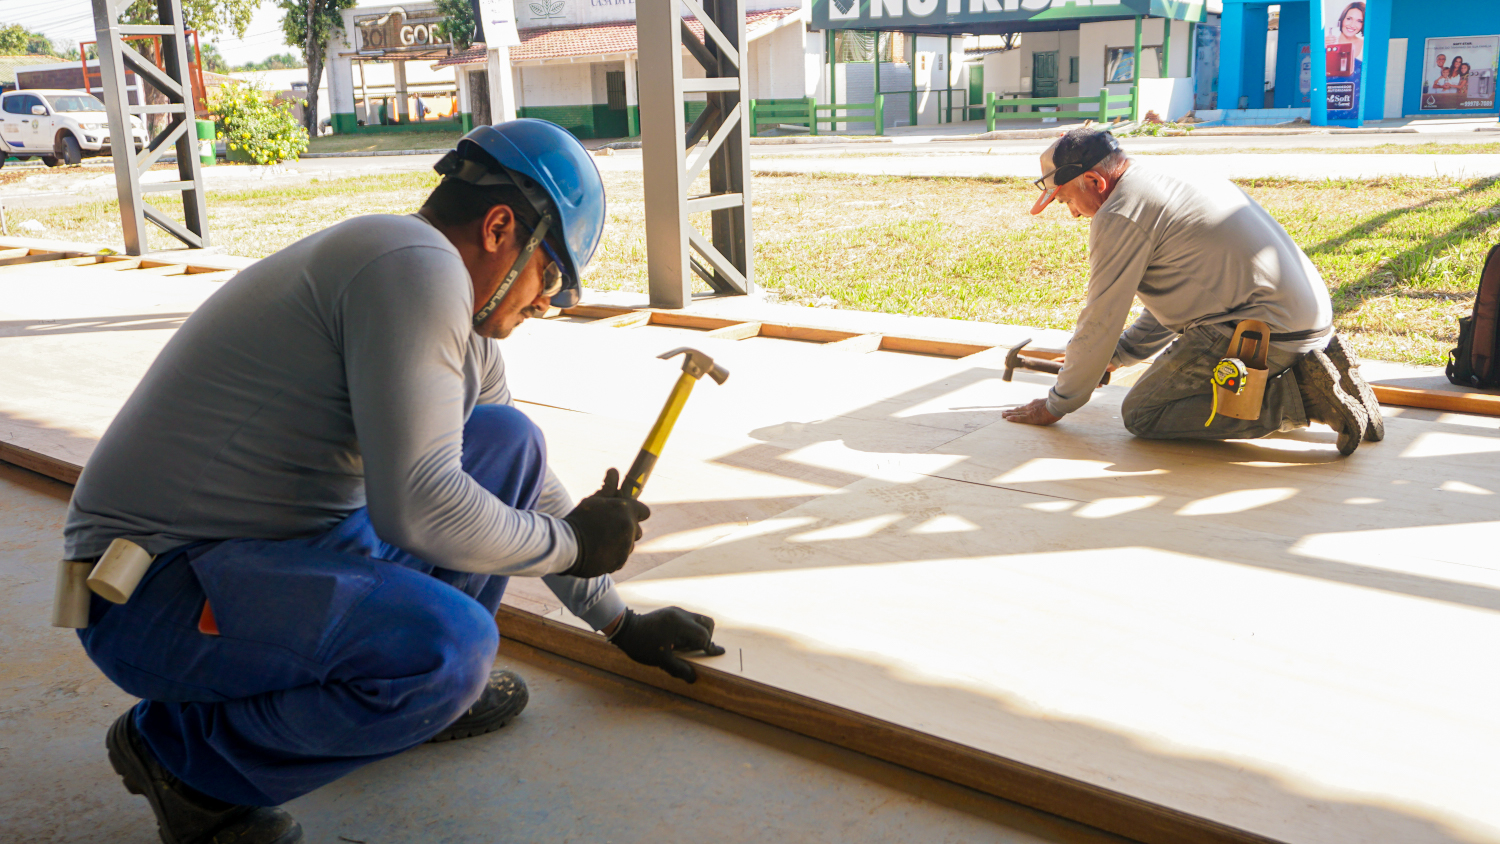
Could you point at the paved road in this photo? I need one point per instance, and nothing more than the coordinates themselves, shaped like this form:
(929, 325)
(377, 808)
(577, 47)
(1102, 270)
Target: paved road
(950, 156)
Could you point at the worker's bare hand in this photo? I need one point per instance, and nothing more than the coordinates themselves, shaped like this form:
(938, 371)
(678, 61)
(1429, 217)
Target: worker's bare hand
(655, 638)
(1032, 413)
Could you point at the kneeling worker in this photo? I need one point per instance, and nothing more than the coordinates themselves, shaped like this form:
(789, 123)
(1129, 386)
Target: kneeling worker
(1201, 255)
(325, 463)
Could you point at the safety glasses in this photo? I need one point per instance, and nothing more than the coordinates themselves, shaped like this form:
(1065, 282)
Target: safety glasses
(553, 278)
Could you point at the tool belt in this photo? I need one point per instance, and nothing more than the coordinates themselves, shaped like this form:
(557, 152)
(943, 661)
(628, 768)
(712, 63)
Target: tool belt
(1288, 336)
(112, 576)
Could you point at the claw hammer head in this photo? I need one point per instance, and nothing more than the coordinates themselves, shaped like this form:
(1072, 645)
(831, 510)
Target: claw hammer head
(697, 364)
(1013, 359)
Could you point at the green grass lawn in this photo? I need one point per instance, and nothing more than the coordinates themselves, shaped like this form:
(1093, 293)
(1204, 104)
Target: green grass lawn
(1401, 256)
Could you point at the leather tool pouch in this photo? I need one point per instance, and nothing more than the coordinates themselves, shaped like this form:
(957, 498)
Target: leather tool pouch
(1250, 344)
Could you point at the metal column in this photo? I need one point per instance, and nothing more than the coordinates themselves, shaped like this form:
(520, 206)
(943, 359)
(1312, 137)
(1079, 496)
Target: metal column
(171, 80)
(673, 246)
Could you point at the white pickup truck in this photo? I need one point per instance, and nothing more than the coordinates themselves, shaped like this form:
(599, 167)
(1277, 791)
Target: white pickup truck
(59, 127)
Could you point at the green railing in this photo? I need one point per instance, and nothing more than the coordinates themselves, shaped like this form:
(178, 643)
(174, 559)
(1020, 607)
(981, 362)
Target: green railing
(805, 112)
(1102, 108)
(799, 112)
(838, 114)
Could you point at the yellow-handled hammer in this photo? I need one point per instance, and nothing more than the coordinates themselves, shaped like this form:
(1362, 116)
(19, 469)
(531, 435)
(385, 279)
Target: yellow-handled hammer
(694, 366)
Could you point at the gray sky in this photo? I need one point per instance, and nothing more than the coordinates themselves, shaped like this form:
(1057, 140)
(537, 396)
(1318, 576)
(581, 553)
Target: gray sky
(72, 20)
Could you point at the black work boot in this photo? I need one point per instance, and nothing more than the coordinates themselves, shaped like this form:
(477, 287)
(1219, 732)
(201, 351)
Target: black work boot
(503, 698)
(1351, 382)
(183, 814)
(1326, 402)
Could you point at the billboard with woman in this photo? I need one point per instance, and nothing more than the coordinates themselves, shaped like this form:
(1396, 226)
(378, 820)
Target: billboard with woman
(1343, 46)
(1459, 73)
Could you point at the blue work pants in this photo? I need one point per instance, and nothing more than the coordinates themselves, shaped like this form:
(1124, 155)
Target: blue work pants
(333, 651)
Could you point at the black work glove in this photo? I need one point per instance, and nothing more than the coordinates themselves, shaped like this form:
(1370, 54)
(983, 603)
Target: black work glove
(657, 637)
(607, 526)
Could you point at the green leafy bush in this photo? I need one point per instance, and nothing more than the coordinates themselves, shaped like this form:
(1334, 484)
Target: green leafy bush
(256, 126)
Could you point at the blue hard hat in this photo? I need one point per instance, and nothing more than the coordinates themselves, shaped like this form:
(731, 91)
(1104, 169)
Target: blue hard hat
(552, 159)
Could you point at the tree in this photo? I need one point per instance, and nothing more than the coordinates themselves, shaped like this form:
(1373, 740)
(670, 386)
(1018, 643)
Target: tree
(13, 40)
(209, 17)
(308, 24)
(458, 22)
(213, 60)
(280, 61)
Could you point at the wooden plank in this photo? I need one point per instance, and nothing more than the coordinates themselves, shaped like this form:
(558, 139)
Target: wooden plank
(14, 252)
(35, 257)
(42, 464)
(632, 319)
(986, 772)
(736, 331)
(682, 319)
(804, 333)
(860, 344)
(595, 311)
(1479, 404)
(75, 261)
(923, 346)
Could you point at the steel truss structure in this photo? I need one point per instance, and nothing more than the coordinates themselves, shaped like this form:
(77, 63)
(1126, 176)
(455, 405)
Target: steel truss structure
(726, 262)
(172, 81)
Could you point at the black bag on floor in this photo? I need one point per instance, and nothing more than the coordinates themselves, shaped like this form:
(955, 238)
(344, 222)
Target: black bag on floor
(1476, 361)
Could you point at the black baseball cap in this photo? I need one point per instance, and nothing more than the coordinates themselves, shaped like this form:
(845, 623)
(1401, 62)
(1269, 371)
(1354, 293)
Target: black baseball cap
(1069, 157)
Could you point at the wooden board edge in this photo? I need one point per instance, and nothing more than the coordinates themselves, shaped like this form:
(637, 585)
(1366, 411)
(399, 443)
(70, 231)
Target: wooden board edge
(995, 775)
(1477, 404)
(42, 464)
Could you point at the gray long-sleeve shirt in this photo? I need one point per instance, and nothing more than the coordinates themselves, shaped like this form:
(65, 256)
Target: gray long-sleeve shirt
(1196, 253)
(334, 374)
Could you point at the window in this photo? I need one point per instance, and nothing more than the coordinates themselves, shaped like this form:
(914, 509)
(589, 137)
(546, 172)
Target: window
(1073, 69)
(13, 105)
(1119, 63)
(76, 102)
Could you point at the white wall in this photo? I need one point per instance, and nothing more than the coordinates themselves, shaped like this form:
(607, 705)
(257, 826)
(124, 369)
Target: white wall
(1169, 98)
(777, 69)
(934, 70)
(1002, 72)
(555, 85)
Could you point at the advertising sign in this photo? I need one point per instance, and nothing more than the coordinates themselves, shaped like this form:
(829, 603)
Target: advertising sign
(399, 30)
(1304, 75)
(862, 14)
(1459, 73)
(1343, 54)
(1206, 68)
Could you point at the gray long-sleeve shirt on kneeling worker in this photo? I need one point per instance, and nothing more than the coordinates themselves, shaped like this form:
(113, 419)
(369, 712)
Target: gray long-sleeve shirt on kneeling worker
(334, 374)
(1197, 252)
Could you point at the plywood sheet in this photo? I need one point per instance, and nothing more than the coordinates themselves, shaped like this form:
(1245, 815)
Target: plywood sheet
(1156, 655)
(1261, 633)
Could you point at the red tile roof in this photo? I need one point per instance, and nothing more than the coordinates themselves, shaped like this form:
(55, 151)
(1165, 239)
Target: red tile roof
(596, 40)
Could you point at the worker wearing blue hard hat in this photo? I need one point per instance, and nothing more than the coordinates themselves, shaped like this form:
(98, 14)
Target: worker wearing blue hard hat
(328, 486)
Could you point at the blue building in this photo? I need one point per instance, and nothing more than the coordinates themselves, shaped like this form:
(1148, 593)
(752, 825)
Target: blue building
(1343, 62)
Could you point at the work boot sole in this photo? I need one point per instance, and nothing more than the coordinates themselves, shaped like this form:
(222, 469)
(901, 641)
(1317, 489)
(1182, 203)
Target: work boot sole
(248, 825)
(504, 696)
(1351, 382)
(1326, 402)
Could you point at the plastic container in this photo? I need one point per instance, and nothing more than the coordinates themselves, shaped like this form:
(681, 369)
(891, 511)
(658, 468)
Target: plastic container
(206, 155)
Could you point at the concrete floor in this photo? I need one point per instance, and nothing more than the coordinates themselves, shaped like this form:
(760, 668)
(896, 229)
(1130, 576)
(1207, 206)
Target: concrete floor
(594, 758)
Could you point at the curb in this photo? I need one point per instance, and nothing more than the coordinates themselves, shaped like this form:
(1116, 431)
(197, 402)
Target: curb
(373, 153)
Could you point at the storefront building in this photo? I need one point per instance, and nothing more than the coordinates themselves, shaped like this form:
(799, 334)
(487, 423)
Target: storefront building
(392, 69)
(1359, 60)
(1064, 48)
